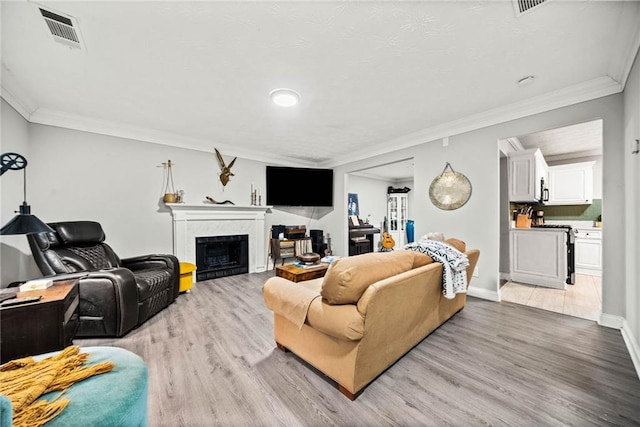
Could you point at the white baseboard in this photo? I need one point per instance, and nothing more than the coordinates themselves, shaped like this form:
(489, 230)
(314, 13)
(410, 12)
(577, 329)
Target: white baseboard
(632, 345)
(589, 272)
(611, 321)
(483, 293)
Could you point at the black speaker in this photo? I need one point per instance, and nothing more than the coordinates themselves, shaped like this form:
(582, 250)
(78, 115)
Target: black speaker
(276, 230)
(316, 236)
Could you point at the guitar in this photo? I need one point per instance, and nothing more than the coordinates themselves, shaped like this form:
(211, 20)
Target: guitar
(387, 241)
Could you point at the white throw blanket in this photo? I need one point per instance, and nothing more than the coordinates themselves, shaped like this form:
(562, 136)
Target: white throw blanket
(454, 264)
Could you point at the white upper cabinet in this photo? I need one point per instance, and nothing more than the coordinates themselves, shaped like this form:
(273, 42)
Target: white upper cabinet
(571, 184)
(527, 169)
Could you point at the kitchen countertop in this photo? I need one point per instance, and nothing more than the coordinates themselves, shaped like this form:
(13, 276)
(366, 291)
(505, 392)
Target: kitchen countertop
(582, 225)
(546, 230)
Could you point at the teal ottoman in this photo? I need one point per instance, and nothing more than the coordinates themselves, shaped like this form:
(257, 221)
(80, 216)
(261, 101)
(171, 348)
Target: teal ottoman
(116, 398)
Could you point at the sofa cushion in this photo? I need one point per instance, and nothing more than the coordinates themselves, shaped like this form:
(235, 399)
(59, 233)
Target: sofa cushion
(348, 278)
(458, 244)
(420, 259)
(339, 321)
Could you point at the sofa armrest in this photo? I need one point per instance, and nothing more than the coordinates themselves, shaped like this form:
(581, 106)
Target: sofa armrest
(108, 298)
(288, 299)
(147, 262)
(301, 303)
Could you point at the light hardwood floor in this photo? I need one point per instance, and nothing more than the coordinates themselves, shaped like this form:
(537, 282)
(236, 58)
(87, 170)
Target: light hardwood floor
(212, 361)
(583, 299)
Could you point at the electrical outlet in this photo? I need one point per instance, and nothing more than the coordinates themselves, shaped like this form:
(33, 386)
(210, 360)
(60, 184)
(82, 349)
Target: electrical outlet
(475, 272)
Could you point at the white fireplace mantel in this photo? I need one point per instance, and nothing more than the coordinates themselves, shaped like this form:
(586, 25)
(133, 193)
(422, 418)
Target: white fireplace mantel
(203, 220)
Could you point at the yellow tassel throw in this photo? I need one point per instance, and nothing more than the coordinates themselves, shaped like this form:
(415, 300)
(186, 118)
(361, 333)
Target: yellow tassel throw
(23, 381)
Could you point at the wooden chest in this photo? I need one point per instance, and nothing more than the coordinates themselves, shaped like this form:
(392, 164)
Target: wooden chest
(298, 274)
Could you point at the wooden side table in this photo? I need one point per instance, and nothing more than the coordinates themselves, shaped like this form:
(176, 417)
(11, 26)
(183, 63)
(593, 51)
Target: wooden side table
(41, 326)
(298, 274)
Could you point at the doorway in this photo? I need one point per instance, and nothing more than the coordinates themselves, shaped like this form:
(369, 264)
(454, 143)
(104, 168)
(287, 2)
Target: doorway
(566, 148)
(371, 186)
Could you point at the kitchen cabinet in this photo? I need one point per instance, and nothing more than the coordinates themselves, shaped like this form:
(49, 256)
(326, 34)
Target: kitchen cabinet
(571, 184)
(397, 211)
(539, 257)
(527, 169)
(588, 251)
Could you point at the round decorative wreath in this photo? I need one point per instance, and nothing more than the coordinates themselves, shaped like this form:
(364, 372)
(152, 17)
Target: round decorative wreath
(450, 190)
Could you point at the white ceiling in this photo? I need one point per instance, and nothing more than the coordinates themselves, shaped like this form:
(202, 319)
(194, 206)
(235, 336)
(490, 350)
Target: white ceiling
(579, 140)
(373, 76)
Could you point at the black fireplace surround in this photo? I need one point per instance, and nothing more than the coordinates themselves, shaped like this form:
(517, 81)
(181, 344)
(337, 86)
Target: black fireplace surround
(220, 256)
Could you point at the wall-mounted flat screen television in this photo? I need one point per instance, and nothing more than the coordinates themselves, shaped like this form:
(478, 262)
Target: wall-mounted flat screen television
(288, 186)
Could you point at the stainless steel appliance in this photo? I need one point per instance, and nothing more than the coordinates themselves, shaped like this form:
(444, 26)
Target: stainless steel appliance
(544, 192)
(571, 256)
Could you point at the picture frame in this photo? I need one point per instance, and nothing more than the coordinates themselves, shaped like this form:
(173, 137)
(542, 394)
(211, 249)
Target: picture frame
(353, 207)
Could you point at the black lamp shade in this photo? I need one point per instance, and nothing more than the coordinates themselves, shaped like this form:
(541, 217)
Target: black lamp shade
(25, 223)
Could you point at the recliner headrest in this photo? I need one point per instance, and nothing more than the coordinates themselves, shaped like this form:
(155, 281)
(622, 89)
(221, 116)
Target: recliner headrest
(79, 232)
(44, 240)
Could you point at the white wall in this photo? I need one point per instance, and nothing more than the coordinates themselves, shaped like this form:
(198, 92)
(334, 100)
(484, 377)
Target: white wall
(475, 154)
(632, 253)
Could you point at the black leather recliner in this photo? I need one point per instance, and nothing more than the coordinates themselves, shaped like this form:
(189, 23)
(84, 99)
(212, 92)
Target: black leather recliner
(116, 294)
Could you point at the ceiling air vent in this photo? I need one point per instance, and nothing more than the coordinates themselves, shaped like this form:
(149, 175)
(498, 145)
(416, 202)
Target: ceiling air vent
(64, 29)
(522, 6)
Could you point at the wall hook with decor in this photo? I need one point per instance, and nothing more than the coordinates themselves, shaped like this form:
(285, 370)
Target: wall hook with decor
(637, 150)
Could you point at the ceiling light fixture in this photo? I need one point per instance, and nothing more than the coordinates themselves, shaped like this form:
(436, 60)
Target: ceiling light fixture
(526, 81)
(284, 97)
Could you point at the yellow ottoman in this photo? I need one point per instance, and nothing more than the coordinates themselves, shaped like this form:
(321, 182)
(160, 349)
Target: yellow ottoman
(186, 276)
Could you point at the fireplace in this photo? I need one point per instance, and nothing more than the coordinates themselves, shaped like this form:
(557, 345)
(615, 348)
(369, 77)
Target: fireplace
(219, 256)
(191, 221)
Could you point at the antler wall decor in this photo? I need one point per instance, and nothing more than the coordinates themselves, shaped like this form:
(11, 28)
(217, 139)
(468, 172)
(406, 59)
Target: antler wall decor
(225, 171)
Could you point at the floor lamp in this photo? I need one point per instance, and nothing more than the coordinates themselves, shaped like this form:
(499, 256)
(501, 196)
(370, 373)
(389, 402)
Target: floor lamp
(24, 222)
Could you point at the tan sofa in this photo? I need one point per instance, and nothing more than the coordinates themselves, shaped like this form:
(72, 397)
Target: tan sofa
(365, 314)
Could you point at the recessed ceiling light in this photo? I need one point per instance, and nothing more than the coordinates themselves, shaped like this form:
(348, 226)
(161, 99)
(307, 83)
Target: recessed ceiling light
(526, 81)
(284, 97)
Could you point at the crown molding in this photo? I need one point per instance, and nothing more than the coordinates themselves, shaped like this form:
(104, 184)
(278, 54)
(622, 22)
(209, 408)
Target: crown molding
(586, 91)
(15, 96)
(62, 119)
(575, 155)
(621, 65)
